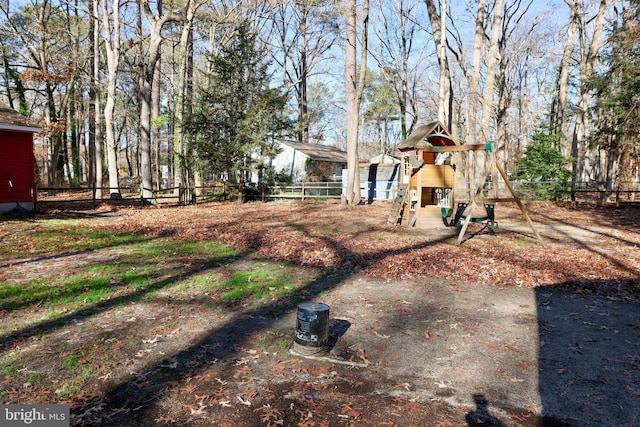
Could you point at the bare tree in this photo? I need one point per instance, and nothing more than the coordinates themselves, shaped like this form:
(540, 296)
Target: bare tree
(559, 112)
(95, 143)
(478, 43)
(588, 55)
(306, 30)
(439, 29)
(395, 30)
(354, 87)
(516, 40)
(111, 37)
(156, 21)
(183, 90)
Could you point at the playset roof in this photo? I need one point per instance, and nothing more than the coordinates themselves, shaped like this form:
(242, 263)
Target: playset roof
(431, 135)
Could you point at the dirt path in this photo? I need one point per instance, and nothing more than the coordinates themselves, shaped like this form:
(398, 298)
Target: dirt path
(562, 356)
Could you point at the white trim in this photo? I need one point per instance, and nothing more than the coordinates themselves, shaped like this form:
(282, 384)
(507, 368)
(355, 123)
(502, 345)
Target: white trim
(20, 128)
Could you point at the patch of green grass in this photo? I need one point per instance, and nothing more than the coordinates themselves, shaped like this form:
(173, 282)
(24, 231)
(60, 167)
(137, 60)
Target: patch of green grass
(70, 361)
(205, 282)
(202, 283)
(258, 284)
(8, 368)
(66, 391)
(72, 236)
(135, 273)
(284, 345)
(35, 378)
(272, 333)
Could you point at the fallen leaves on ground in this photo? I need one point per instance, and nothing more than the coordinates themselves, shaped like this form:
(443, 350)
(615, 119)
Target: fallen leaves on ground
(358, 239)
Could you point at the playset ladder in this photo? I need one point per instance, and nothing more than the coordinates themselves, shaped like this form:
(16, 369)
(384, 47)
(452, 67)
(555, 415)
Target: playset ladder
(398, 204)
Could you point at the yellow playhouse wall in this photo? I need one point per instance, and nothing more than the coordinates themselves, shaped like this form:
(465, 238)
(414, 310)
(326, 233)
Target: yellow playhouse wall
(437, 176)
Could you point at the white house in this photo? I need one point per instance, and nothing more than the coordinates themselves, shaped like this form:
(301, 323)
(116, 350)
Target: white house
(309, 162)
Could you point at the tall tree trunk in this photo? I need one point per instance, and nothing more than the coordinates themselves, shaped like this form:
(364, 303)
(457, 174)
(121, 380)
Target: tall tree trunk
(156, 123)
(438, 25)
(185, 59)
(54, 138)
(471, 167)
(587, 65)
(73, 133)
(145, 139)
(445, 80)
(97, 113)
(524, 124)
(354, 90)
(74, 152)
(111, 27)
(406, 44)
(156, 21)
(194, 171)
(502, 126)
(303, 113)
(560, 124)
(91, 142)
(488, 106)
(488, 110)
(474, 82)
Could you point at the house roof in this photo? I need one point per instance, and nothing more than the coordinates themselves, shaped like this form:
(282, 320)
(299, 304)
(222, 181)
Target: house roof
(12, 120)
(380, 158)
(319, 152)
(431, 135)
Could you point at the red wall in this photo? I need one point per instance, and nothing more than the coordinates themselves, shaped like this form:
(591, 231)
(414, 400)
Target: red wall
(16, 163)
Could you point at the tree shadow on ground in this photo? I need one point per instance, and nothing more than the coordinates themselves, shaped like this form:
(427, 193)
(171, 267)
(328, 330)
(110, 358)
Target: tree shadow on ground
(126, 403)
(51, 324)
(589, 357)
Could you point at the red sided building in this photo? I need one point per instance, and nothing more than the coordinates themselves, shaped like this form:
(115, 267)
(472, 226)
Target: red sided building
(17, 171)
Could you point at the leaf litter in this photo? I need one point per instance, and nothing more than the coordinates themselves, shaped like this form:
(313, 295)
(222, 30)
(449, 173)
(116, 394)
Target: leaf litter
(320, 237)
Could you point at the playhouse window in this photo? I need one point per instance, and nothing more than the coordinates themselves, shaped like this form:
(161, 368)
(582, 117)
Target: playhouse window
(413, 199)
(443, 197)
(407, 165)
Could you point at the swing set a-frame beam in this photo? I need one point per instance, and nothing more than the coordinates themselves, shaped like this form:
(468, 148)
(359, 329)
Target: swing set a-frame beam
(515, 198)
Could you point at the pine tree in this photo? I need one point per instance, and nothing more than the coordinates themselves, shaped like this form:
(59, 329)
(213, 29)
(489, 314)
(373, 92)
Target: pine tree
(237, 114)
(543, 162)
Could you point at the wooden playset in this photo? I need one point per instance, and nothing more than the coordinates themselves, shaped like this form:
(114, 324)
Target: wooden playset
(427, 187)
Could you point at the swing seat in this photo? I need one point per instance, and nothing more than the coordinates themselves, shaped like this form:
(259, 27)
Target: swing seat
(459, 216)
(446, 214)
(490, 217)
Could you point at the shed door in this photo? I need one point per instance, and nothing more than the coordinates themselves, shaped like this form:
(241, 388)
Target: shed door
(16, 166)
